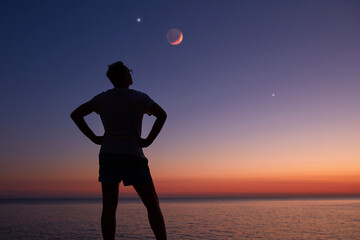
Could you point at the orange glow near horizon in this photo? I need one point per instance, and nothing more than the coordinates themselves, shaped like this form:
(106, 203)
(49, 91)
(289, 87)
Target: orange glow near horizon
(283, 186)
(270, 186)
(229, 173)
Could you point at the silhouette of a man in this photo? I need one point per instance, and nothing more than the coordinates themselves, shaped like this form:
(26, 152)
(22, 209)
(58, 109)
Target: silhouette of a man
(121, 157)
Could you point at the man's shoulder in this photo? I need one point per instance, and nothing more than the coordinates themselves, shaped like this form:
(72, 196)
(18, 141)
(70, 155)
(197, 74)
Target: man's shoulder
(101, 96)
(104, 92)
(126, 91)
(137, 92)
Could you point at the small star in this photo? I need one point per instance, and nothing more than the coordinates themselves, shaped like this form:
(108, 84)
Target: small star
(138, 19)
(273, 94)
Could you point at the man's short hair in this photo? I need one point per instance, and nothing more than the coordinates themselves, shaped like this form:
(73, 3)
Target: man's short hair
(116, 71)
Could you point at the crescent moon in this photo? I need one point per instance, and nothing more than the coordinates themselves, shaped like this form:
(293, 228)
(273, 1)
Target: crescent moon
(174, 36)
(178, 41)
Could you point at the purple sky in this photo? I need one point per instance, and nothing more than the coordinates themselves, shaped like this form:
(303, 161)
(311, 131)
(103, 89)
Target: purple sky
(216, 86)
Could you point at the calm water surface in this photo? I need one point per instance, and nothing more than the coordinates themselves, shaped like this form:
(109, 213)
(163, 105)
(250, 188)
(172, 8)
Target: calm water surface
(197, 219)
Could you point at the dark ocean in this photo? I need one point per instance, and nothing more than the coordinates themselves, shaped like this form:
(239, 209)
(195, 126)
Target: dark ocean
(185, 219)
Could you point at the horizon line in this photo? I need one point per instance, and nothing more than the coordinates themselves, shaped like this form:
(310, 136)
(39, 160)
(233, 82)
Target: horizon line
(190, 196)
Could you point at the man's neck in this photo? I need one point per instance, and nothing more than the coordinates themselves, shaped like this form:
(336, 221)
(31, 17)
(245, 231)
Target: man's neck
(121, 87)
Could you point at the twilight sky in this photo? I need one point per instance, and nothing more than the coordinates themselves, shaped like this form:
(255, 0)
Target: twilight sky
(226, 133)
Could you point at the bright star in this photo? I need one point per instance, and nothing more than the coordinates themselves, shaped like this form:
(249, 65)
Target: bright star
(273, 95)
(138, 20)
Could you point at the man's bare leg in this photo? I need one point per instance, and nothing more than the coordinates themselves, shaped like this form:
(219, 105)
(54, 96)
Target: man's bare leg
(149, 197)
(110, 193)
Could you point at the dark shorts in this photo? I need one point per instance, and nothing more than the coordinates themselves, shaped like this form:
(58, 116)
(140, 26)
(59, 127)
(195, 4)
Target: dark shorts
(121, 167)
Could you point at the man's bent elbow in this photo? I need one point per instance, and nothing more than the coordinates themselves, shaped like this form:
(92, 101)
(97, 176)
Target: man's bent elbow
(74, 115)
(163, 116)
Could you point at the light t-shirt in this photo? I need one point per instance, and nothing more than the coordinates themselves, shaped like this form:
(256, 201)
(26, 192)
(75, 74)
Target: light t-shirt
(121, 111)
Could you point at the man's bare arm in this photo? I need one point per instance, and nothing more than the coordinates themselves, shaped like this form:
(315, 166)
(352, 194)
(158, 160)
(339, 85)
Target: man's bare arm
(78, 117)
(160, 115)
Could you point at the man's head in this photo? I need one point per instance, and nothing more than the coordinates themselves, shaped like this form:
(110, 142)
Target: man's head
(119, 75)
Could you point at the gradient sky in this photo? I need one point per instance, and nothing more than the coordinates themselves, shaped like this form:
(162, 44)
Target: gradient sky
(226, 133)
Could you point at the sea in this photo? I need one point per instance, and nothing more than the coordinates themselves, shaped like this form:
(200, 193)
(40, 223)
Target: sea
(206, 219)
